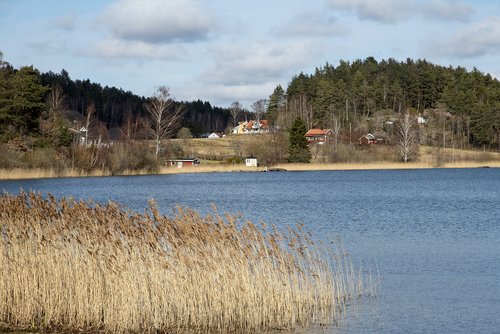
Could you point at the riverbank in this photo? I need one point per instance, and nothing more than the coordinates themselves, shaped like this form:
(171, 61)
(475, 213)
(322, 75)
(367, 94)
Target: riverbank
(17, 174)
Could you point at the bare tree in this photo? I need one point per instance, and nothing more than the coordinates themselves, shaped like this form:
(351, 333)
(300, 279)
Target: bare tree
(56, 101)
(336, 129)
(259, 108)
(52, 122)
(407, 137)
(89, 121)
(235, 109)
(164, 116)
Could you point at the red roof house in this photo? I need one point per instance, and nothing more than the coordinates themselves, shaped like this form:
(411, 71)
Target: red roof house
(319, 136)
(261, 126)
(367, 139)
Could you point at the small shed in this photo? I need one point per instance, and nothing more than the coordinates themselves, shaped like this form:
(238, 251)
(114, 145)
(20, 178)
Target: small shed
(251, 161)
(180, 163)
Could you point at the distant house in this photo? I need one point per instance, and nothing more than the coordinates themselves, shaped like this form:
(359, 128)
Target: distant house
(261, 126)
(421, 120)
(180, 163)
(251, 161)
(319, 136)
(367, 139)
(251, 127)
(240, 128)
(214, 135)
(87, 138)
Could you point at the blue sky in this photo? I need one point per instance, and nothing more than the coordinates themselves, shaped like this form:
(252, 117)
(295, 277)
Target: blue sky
(231, 50)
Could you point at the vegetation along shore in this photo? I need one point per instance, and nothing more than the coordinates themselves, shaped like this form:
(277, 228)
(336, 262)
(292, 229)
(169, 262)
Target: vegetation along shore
(82, 266)
(429, 158)
(362, 114)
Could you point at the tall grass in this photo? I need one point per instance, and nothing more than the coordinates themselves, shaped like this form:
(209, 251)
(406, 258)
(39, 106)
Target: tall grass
(72, 266)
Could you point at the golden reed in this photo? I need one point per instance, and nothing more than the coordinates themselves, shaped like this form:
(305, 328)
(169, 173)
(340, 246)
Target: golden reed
(69, 265)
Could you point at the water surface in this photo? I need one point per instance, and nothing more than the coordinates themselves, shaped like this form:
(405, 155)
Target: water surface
(433, 234)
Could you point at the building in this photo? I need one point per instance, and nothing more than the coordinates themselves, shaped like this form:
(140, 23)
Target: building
(251, 161)
(367, 139)
(251, 127)
(214, 135)
(240, 128)
(261, 126)
(180, 163)
(319, 136)
(421, 120)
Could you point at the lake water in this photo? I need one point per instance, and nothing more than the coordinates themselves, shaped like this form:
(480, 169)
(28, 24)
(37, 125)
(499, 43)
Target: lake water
(433, 234)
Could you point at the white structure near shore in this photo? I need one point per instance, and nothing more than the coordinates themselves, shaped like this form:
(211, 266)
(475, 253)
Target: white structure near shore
(251, 161)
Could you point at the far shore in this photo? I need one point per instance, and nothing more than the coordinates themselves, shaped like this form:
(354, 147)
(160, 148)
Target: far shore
(17, 173)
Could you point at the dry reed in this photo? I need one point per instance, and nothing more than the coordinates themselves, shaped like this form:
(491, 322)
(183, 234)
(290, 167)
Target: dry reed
(81, 266)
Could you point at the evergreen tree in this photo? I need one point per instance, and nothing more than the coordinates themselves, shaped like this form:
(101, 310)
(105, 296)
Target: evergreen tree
(21, 100)
(298, 149)
(276, 104)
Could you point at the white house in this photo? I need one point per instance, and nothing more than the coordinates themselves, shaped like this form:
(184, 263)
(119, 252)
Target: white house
(213, 135)
(240, 129)
(251, 161)
(421, 120)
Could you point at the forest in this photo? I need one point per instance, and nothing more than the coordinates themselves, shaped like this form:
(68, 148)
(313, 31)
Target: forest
(352, 94)
(24, 93)
(39, 110)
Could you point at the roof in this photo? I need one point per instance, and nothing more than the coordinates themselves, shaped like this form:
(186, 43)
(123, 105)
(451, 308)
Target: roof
(368, 136)
(184, 160)
(318, 132)
(264, 124)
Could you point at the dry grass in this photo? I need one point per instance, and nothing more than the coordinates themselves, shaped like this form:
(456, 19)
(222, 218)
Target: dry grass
(429, 157)
(39, 173)
(75, 266)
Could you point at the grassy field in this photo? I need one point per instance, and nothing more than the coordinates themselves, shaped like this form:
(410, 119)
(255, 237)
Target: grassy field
(72, 266)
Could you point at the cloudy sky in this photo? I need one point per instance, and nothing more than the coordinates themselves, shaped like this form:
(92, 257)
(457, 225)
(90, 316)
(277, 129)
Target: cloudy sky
(232, 50)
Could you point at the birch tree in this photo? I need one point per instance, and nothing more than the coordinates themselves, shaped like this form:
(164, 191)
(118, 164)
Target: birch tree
(407, 137)
(164, 116)
(235, 109)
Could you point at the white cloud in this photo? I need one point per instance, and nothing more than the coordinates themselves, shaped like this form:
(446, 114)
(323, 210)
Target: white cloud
(310, 25)
(258, 62)
(390, 11)
(250, 72)
(120, 49)
(479, 39)
(158, 21)
(447, 10)
(224, 95)
(377, 10)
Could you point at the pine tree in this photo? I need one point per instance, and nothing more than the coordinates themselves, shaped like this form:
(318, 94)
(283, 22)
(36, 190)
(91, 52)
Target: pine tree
(276, 104)
(21, 99)
(298, 149)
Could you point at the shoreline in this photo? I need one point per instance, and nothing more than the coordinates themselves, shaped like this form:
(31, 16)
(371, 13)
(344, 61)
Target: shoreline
(22, 174)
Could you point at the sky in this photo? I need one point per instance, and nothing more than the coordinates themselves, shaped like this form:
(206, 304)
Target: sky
(223, 51)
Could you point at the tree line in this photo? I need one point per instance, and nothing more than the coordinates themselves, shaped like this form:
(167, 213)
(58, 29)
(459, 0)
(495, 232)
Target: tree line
(350, 93)
(49, 110)
(24, 93)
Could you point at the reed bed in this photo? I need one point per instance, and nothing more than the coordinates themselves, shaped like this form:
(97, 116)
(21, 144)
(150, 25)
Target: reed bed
(82, 266)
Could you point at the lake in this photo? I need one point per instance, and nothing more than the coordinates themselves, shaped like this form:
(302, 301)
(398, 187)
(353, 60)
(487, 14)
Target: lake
(434, 234)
